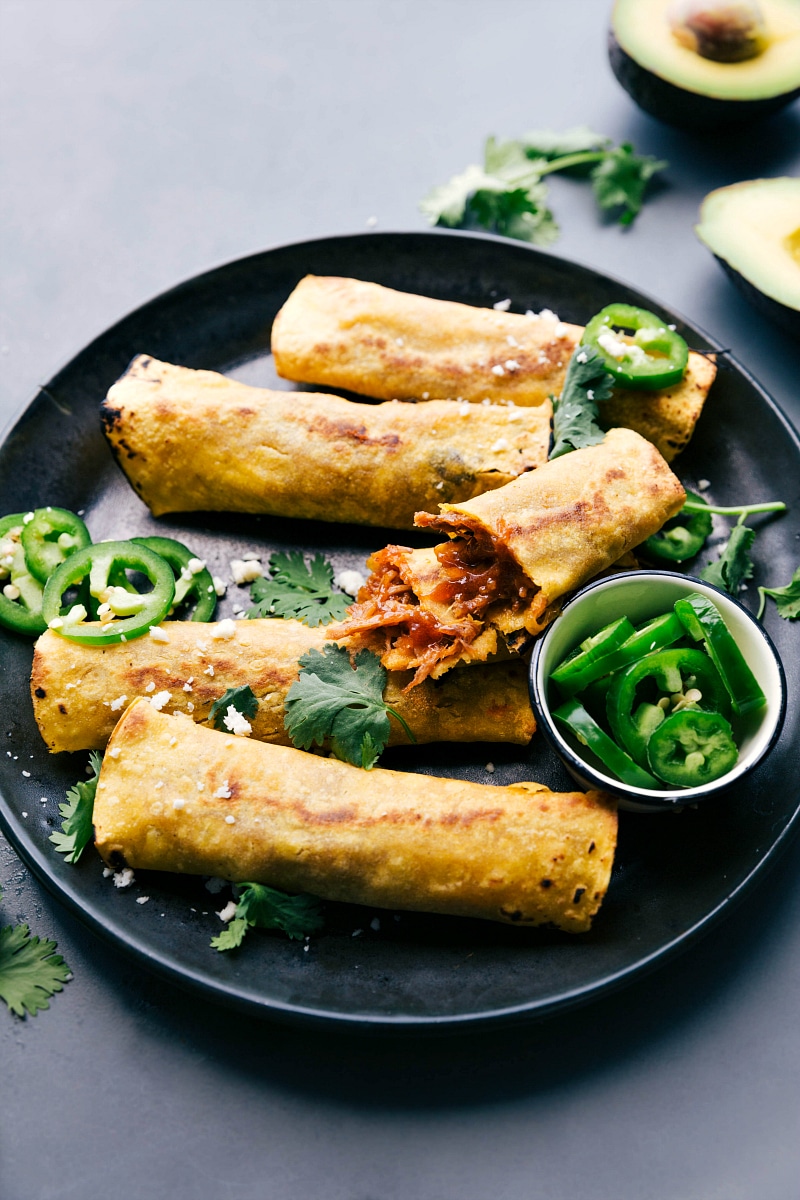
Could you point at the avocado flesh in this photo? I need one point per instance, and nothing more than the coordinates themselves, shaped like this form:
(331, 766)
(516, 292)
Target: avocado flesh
(753, 228)
(643, 30)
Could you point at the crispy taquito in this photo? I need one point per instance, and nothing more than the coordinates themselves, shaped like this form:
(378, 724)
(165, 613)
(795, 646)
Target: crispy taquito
(173, 796)
(79, 692)
(379, 342)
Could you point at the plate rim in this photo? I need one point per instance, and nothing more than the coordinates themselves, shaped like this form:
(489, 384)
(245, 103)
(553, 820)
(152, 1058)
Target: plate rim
(241, 996)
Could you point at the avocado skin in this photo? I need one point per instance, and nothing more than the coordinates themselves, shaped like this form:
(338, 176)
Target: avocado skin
(686, 110)
(787, 319)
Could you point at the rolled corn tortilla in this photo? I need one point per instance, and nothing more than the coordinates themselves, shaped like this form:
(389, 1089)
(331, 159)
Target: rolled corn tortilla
(513, 555)
(195, 440)
(380, 342)
(173, 796)
(79, 692)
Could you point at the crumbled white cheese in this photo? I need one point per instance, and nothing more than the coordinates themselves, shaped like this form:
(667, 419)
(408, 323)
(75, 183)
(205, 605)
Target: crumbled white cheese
(582, 356)
(512, 364)
(220, 586)
(187, 687)
(703, 485)
(425, 396)
(150, 687)
(224, 631)
(502, 305)
(158, 634)
(178, 804)
(561, 330)
(500, 444)
(117, 704)
(229, 820)
(399, 342)
(512, 341)
(620, 349)
(223, 792)
(228, 912)
(196, 565)
(498, 370)
(236, 723)
(439, 485)
(142, 899)
(490, 768)
(463, 409)
(159, 700)
(245, 572)
(173, 741)
(115, 753)
(107, 872)
(349, 581)
(547, 314)
(589, 394)
(159, 785)
(190, 707)
(27, 774)
(209, 671)
(123, 878)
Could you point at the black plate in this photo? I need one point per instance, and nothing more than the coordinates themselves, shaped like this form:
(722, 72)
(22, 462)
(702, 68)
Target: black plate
(673, 875)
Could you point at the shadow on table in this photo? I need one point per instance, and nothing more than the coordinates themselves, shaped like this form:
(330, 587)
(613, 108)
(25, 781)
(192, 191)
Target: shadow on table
(395, 1072)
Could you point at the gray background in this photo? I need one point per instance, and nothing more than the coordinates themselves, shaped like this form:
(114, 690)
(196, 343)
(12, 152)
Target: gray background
(143, 142)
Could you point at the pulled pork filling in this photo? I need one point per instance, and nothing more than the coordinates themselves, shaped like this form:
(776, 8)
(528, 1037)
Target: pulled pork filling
(474, 574)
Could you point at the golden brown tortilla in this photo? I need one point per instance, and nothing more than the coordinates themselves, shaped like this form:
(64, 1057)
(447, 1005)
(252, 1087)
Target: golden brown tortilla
(175, 797)
(384, 343)
(195, 440)
(79, 692)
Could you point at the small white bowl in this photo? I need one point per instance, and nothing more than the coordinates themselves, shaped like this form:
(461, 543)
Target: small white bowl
(641, 596)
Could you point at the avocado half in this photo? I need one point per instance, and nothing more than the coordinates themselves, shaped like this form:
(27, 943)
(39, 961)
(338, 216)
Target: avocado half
(680, 86)
(753, 230)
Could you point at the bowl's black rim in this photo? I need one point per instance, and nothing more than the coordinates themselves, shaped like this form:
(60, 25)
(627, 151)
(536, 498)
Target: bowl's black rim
(658, 803)
(244, 1000)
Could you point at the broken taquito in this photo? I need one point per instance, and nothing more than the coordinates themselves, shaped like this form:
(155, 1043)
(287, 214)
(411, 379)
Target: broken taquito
(512, 555)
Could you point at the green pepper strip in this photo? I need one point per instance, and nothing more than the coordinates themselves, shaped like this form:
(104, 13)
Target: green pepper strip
(657, 356)
(691, 748)
(576, 671)
(572, 716)
(199, 584)
(24, 614)
(50, 538)
(703, 621)
(657, 634)
(672, 670)
(99, 562)
(684, 535)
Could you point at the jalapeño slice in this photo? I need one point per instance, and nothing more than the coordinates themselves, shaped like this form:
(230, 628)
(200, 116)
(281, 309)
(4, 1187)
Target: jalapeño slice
(650, 355)
(130, 613)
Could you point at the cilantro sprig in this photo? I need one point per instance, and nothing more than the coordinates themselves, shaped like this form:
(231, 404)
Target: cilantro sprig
(243, 699)
(30, 971)
(264, 907)
(507, 194)
(296, 589)
(76, 828)
(734, 565)
(787, 599)
(336, 699)
(575, 411)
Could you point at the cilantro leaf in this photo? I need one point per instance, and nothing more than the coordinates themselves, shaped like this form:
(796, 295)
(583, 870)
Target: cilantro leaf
(544, 143)
(243, 700)
(734, 565)
(620, 179)
(575, 411)
(501, 203)
(76, 828)
(507, 196)
(264, 907)
(29, 970)
(300, 590)
(787, 599)
(341, 700)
